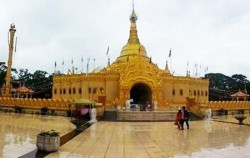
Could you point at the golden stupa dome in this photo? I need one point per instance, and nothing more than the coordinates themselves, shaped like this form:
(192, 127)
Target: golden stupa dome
(133, 48)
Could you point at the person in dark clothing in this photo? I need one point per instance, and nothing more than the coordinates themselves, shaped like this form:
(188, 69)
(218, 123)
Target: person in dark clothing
(185, 117)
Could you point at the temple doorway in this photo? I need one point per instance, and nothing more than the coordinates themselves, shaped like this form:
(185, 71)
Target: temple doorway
(141, 93)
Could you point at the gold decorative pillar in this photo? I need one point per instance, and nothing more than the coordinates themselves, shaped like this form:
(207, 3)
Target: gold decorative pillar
(157, 96)
(124, 95)
(7, 86)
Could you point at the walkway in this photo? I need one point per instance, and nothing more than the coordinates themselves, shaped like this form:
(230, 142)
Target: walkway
(159, 140)
(204, 139)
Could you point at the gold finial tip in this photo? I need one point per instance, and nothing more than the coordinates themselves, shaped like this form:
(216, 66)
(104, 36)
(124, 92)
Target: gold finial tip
(133, 16)
(133, 4)
(12, 25)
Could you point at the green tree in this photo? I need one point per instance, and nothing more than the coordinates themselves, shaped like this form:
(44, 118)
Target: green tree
(222, 86)
(40, 82)
(3, 72)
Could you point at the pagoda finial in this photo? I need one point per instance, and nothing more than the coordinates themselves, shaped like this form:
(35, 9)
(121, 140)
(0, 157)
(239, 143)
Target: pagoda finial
(133, 4)
(166, 67)
(108, 62)
(133, 38)
(133, 16)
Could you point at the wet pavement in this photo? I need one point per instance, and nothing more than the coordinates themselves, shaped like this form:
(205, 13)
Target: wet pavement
(205, 139)
(18, 131)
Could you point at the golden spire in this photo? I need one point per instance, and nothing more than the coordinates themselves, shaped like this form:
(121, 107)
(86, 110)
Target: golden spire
(108, 65)
(133, 37)
(133, 48)
(166, 67)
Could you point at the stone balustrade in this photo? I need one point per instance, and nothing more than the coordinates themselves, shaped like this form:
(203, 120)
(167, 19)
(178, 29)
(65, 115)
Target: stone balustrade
(229, 105)
(55, 104)
(62, 105)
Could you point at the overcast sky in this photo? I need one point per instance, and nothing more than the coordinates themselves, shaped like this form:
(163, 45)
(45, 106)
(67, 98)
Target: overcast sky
(206, 33)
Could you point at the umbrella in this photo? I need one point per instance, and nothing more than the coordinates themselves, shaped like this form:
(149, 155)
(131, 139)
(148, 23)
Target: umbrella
(84, 101)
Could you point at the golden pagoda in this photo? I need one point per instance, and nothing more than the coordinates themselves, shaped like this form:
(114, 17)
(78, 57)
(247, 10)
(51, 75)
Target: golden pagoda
(132, 76)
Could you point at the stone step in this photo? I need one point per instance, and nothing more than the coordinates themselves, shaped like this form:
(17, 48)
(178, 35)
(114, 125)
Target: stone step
(110, 116)
(136, 115)
(145, 115)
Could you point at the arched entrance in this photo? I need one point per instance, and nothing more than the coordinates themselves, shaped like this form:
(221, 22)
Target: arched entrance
(141, 93)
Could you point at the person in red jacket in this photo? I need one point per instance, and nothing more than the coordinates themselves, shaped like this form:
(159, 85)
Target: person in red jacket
(178, 120)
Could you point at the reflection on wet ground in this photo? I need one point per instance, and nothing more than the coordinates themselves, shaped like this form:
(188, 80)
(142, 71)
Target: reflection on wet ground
(206, 138)
(231, 119)
(18, 131)
(63, 139)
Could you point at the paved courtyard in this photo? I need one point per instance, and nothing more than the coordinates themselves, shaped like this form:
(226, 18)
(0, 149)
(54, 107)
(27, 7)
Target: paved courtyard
(18, 131)
(206, 138)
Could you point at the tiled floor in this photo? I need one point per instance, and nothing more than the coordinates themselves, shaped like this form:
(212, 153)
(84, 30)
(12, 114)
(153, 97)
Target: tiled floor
(158, 140)
(18, 131)
(204, 139)
(229, 118)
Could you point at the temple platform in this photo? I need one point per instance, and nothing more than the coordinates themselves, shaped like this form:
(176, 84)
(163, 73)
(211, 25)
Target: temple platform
(137, 115)
(148, 115)
(219, 137)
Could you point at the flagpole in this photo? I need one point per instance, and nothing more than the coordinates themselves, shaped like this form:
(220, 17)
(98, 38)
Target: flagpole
(169, 55)
(82, 64)
(72, 62)
(87, 70)
(93, 65)
(55, 66)
(63, 66)
(107, 53)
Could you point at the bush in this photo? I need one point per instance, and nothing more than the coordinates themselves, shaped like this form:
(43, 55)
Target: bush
(51, 133)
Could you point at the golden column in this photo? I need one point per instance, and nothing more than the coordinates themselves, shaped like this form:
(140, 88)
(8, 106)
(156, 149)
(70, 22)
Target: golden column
(7, 86)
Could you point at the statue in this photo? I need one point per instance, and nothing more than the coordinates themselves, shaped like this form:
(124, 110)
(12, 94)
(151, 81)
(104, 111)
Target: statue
(155, 105)
(127, 103)
(208, 113)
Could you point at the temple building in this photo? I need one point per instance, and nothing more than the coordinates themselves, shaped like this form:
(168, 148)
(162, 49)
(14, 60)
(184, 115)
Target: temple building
(240, 96)
(132, 76)
(21, 92)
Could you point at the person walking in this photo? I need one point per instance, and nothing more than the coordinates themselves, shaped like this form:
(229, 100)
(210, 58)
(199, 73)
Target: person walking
(178, 119)
(185, 117)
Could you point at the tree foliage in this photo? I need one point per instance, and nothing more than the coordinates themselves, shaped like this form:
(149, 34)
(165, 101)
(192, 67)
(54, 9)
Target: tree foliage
(3, 72)
(40, 82)
(222, 86)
